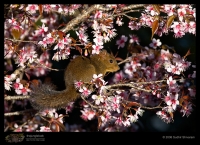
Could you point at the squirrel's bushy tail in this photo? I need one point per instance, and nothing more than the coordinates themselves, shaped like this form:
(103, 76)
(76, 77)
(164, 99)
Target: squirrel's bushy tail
(45, 96)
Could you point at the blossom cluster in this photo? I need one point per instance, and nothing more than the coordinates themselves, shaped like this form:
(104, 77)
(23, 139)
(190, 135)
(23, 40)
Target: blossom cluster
(180, 27)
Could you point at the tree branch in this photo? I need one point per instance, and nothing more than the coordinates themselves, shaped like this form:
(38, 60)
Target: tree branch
(82, 17)
(89, 103)
(41, 64)
(130, 85)
(24, 41)
(125, 60)
(16, 97)
(141, 106)
(18, 112)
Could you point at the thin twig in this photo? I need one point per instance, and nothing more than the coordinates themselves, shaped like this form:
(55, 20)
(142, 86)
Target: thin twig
(18, 112)
(16, 97)
(144, 107)
(131, 18)
(7, 127)
(150, 108)
(124, 61)
(24, 41)
(133, 6)
(39, 63)
(89, 103)
(126, 85)
(151, 82)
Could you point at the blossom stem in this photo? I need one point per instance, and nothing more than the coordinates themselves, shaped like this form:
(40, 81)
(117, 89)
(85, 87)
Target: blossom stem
(89, 103)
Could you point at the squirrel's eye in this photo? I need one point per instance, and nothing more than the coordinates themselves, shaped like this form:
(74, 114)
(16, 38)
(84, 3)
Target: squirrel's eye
(111, 61)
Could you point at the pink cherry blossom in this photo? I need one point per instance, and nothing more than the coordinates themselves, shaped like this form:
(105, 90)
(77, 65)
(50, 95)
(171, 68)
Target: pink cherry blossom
(84, 91)
(134, 25)
(150, 9)
(155, 43)
(87, 114)
(48, 112)
(78, 84)
(134, 39)
(118, 77)
(133, 118)
(60, 45)
(164, 116)
(96, 49)
(187, 110)
(67, 40)
(98, 80)
(119, 21)
(181, 13)
(119, 121)
(192, 91)
(43, 43)
(179, 34)
(165, 55)
(50, 39)
(69, 107)
(140, 111)
(98, 40)
(171, 99)
(25, 91)
(105, 28)
(7, 83)
(95, 25)
(42, 30)
(48, 8)
(168, 109)
(194, 74)
(121, 41)
(171, 82)
(30, 127)
(57, 56)
(192, 28)
(98, 99)
(126, 123)
(82, 36)
(105, 117)
(169, 9)
(44, 129)
(18, 128)
(32, 8)
(98, 15)
(64, 53)
(111, 33)
(17, 84)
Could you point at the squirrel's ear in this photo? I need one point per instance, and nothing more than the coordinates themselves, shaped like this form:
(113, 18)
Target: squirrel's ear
(104, 52)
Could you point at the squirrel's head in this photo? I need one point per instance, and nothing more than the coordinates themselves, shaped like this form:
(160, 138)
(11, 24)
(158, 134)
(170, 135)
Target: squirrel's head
(107, 62)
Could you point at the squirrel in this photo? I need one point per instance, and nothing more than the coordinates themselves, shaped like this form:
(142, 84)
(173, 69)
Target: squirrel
(82, 68)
